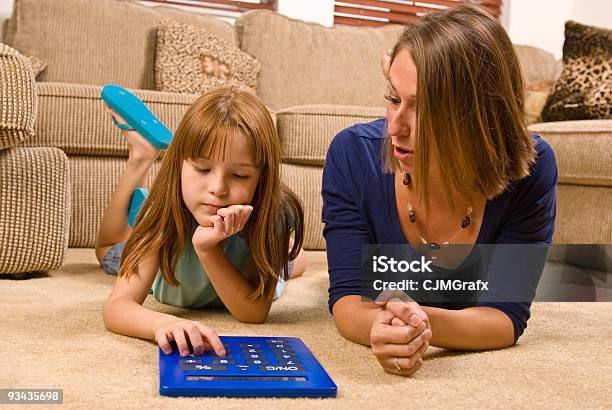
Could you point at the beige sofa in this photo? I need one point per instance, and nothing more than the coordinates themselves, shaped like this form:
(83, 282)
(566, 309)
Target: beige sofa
(317, 80)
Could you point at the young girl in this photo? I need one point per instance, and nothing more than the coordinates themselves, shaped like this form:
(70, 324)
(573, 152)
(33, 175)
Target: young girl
(215, 227)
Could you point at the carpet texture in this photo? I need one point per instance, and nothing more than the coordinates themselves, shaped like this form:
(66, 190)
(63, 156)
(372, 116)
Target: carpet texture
(53, 337)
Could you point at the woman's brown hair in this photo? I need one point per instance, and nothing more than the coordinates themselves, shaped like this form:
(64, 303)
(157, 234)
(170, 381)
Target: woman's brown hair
(470, 121)
(164, 223)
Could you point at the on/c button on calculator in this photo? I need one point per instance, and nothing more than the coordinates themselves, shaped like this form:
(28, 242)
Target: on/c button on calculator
(252, 367)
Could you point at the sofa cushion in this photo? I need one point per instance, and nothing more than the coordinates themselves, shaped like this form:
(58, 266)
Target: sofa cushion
(305, 181)
(35, 210)
(582, 149)
(583, 215)
(537, 64)
(72, 117)
(535, 98)
(194, 60)
(98, 42)
(18, 102)
(93, 181)
(306, 63)
(95, 178)
(584, 89)
(307, 130)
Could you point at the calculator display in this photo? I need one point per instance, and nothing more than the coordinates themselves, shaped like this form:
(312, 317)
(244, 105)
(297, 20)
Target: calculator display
(281, 378)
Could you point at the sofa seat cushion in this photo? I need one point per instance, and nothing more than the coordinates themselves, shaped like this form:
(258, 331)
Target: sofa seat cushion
(98, 42)
(583, 215)
(93, 181)
(582, 149)
(305, 181)
(72, 117)
(306, 131)
(35, 210)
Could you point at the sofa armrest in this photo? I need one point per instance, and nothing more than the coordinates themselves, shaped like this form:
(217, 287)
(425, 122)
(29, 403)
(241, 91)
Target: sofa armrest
(35, 211)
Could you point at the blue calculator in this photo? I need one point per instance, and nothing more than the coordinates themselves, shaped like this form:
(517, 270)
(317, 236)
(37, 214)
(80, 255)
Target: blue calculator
(252, 367)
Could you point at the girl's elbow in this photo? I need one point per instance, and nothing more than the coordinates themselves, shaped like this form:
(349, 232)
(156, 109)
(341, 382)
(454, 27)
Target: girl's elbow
(252, 319)
(108, 314)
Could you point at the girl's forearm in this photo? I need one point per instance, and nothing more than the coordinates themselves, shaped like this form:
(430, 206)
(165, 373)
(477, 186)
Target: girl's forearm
(233, 288)
(129, 318)
(475, 328)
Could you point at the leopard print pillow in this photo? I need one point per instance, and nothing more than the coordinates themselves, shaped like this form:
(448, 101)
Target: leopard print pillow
(192, 60)
(584, 89)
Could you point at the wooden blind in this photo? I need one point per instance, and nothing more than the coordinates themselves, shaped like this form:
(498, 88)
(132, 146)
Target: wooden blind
(381, 12)
(223, 8)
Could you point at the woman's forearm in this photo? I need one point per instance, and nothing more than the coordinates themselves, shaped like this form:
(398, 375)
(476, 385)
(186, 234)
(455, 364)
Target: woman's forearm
(354, 318)
(233, 288)
(475, 328)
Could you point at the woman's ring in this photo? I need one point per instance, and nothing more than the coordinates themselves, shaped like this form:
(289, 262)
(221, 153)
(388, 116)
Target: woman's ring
(397, 366)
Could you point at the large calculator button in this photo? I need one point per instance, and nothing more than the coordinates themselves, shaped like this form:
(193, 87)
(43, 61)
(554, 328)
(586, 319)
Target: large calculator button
(290, 362)
(254, 356)
(281, 368)
(249, 345)
(283, 351)
(285, 356)
(203, 367)
(223, 361)
(227, 355)
(189, 361)
(250, 351)
(280, 346)
(257, 362)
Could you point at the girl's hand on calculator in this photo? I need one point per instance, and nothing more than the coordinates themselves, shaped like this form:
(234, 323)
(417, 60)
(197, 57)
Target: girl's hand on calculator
(181, 331)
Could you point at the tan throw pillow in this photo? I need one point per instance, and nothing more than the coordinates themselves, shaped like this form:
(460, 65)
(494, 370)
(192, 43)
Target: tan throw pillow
(584, 89)
(18, 98)
(536, 94)
(193, 60)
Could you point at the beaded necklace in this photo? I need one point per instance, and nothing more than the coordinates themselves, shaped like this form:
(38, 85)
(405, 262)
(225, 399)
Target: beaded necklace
(465, 222)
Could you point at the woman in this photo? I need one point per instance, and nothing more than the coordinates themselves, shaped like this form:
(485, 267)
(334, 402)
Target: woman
(451, 163)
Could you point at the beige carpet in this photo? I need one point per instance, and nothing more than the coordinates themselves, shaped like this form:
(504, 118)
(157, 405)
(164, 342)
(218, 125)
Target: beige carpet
(52, 336)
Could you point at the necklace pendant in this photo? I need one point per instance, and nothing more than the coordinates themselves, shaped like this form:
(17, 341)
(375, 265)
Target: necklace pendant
(407, 179)
(433, 245)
